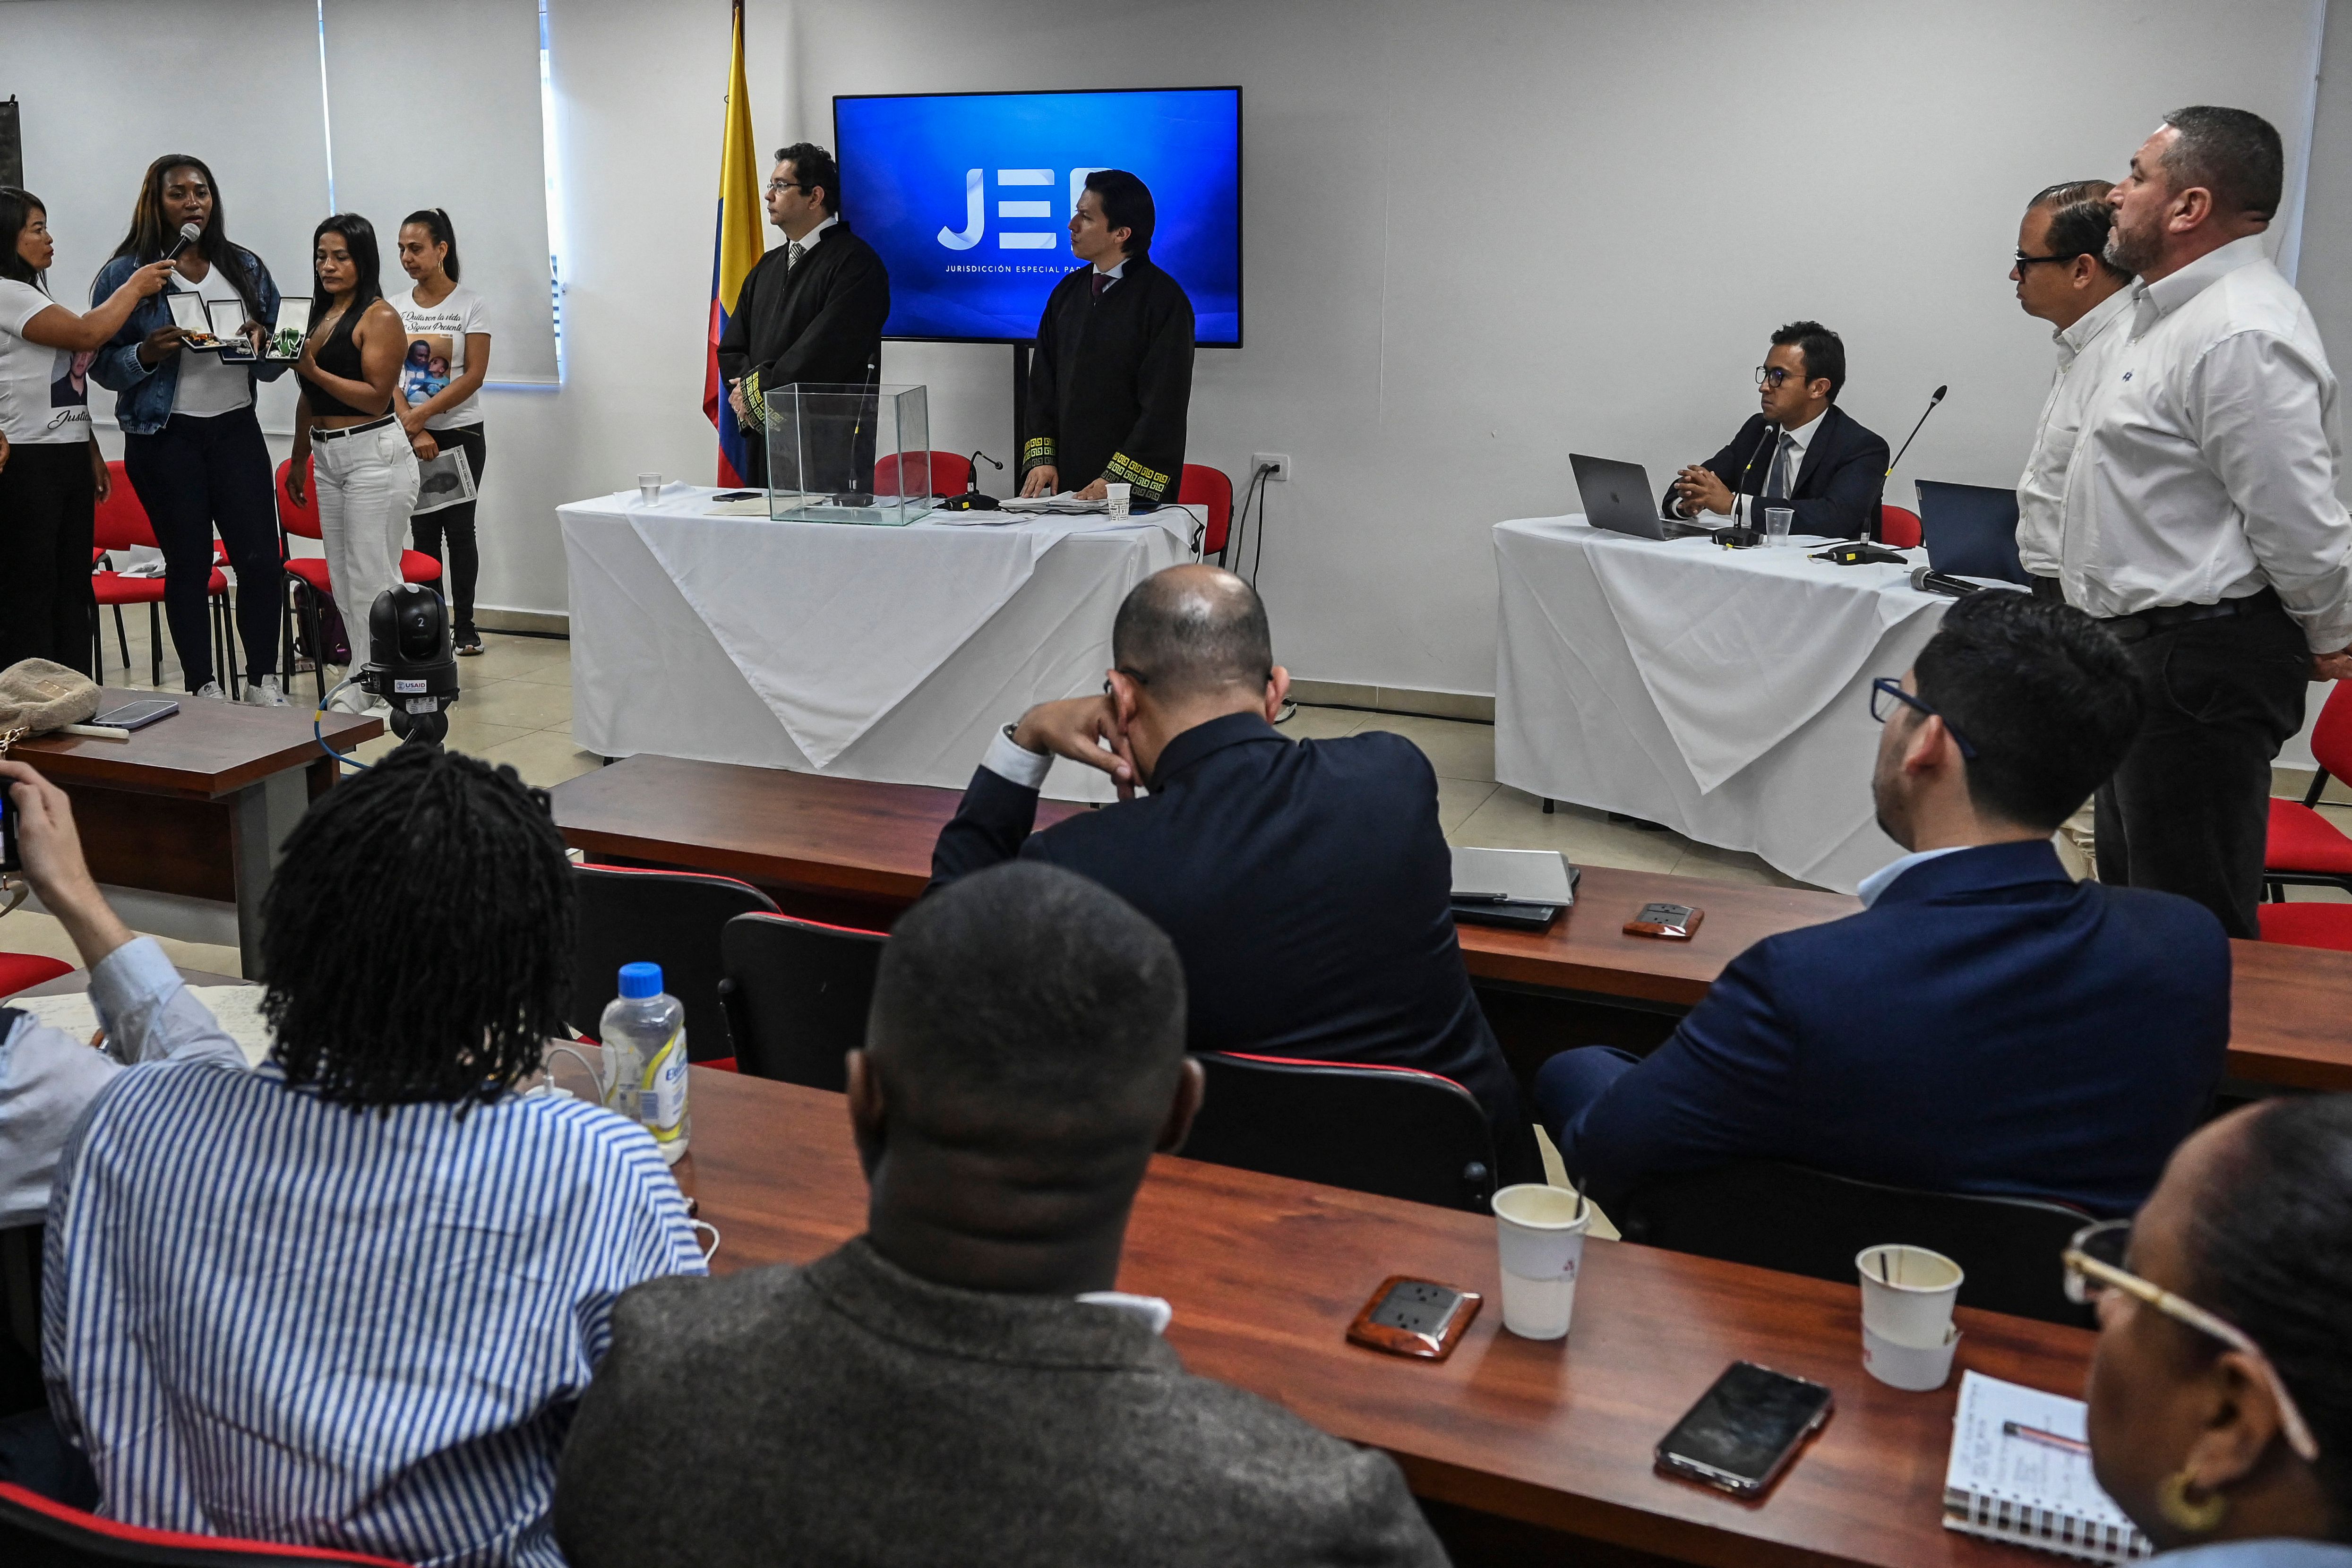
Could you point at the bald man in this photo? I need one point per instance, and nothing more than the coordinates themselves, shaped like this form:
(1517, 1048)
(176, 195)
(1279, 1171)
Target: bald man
(1307, 887)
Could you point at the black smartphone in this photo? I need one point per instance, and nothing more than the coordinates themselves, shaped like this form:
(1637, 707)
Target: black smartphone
(1743, 1431)
(737, 495)
(138, 714)
(8, 861)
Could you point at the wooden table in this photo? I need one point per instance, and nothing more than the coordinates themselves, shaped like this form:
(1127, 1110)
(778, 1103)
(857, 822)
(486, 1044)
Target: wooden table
(1265, 1273)
(844, 849)
(199, 804)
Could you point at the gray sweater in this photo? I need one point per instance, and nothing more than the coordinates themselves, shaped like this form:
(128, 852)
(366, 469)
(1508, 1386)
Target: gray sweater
(848, 1413)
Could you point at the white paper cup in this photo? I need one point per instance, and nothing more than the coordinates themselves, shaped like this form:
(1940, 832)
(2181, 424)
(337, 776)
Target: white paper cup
(649, 488)
(1119, 496)
(1908, 1294)
(1914, 1367)
(1541, 1236)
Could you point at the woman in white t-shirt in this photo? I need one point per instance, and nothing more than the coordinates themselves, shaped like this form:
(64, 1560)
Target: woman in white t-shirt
(54, 475)
(441, 389)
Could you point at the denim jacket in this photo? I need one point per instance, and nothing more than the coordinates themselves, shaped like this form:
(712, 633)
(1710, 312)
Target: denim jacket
(142, 396)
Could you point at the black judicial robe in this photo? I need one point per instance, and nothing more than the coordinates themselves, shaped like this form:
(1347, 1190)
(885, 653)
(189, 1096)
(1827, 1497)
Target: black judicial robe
(819, 322)
(1111, 382)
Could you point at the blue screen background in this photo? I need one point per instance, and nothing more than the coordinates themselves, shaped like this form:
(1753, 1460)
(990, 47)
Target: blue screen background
(906, 166)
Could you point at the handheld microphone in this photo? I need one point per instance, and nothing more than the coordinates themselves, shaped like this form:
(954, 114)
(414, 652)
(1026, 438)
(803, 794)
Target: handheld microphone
(189, 234)
(1915, 429)
(1927, 579)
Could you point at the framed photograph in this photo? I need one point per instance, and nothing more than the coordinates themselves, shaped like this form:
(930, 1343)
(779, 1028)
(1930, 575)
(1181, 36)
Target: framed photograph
(293, 326)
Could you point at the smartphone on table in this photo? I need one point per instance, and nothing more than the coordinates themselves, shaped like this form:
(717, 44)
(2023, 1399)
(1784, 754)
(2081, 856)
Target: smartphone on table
(1745, 1430)
(137, 715)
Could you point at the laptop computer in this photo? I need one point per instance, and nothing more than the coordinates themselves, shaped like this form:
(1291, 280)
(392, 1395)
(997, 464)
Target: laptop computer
(1617, 497)
(1970, 531)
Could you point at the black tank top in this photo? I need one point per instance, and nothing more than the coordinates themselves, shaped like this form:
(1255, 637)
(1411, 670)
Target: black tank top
(338, 356)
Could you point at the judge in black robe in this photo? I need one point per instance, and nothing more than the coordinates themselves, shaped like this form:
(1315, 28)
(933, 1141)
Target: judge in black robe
(815, 320)
(1111, 381)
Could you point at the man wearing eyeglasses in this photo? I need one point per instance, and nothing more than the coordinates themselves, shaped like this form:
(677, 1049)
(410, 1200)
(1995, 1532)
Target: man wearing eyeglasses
(2201, 518)
(1986, 1024)
(2063, 278)
(810, 310)
(1800, 450)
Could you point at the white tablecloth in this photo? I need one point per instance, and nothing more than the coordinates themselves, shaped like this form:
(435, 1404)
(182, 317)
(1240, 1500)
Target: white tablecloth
(1723, 693)
(891, 654)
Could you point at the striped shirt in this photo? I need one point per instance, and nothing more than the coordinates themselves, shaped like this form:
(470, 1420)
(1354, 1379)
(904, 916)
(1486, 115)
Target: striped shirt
(268, 1316)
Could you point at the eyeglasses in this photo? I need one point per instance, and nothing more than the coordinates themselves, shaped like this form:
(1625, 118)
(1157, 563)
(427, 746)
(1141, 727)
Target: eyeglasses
(1770, 376)
(1138, 677)
(2024, 260)
(2094, 1263)
(775, 185)
(1887, 686)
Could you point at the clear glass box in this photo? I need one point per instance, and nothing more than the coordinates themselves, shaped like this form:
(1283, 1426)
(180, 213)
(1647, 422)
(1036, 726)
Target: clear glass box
(829, 445)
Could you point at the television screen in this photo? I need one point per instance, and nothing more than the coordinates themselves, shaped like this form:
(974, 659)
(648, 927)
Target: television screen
(968, 197)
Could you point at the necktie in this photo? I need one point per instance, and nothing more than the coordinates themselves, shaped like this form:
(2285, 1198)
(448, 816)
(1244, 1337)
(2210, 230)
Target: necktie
(792, 254)
(1099, 279)
(1776, 485)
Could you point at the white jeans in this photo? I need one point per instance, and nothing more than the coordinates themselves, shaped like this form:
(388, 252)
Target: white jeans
(367, 487)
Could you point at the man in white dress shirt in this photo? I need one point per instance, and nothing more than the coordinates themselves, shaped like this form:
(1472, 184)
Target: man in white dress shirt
(2063, 277)
(2201, 520)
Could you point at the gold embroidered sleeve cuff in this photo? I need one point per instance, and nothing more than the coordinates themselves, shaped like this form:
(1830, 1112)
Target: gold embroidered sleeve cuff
(1038, 449)
(754, 402)
(1149, 483)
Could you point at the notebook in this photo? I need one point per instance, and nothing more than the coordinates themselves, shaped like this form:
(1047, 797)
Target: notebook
(2020, 1471)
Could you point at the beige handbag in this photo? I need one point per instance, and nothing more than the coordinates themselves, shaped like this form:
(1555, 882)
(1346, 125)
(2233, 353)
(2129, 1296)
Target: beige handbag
(37, 696)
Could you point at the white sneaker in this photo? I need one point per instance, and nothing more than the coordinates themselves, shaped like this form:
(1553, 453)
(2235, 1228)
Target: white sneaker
(212, 689)
(264, 693)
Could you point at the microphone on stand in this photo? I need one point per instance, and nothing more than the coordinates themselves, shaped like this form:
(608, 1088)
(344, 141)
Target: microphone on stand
(1915, 429)
(189, 234)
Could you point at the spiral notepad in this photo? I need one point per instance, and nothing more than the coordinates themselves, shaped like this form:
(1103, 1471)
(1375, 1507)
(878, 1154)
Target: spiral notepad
(2020, 1471)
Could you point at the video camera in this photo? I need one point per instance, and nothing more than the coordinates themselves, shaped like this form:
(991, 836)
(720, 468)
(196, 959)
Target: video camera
(411, 663)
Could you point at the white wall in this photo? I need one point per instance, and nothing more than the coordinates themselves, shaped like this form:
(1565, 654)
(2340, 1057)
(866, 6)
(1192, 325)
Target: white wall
(1486, 233)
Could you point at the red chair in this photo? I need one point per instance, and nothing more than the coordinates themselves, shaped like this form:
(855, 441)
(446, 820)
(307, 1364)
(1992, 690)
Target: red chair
(2307, 924)
(38, 1533)
(2305, 847)
(1208, 489)
(300, 519)
(950, 475)
(1898, 527)
(123, 524)
(19, 970)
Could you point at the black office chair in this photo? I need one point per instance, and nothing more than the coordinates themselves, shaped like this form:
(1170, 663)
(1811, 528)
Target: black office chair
(1392, 1131)
(796, 993)
(1970, 531)
(668, 918)
(20, 1320)
(1803, 1221)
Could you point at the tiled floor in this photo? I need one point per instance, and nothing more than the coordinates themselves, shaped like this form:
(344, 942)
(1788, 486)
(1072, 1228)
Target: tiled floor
(518, 709)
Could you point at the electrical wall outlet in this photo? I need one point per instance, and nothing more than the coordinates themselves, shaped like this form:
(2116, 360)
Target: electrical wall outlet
(1277, 461)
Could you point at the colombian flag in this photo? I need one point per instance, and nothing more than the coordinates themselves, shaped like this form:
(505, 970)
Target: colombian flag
(734, 252)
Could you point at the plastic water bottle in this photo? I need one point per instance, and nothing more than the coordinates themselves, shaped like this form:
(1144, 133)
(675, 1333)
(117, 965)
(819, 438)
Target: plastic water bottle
(644, 1033)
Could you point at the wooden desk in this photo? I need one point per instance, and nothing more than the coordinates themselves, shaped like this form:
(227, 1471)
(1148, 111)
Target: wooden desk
(837, 847)
(200, 804)
(1265, 1273)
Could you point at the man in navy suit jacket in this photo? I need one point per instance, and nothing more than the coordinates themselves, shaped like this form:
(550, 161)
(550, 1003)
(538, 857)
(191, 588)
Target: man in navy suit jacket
(1986, 1024)
(1308, 886)
(1800, 450)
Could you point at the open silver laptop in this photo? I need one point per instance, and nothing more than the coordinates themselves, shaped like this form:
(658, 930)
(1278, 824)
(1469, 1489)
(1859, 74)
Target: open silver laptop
(1617, 497)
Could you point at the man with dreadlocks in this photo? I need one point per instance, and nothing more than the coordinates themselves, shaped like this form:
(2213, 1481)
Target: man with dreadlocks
(350, 1298)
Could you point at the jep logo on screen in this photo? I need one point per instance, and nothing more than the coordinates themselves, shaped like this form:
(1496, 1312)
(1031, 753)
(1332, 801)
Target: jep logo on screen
(967, 196)
(1026, 210)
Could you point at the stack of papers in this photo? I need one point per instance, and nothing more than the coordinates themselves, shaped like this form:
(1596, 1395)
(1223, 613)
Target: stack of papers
(1064, 505)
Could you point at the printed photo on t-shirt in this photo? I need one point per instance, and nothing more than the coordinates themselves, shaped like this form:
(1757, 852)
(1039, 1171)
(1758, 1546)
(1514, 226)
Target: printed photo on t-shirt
(426, 369)
(69, 387)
